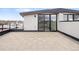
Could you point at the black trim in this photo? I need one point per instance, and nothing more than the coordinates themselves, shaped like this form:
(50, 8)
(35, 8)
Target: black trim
(56, 22)
(38, 22)
(44, 23)
(67, 17)
(70, 21)
(73, 18)
(77, 39)
(28, 31)
(50, 22)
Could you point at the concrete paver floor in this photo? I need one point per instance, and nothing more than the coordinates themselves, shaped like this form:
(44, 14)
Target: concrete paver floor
(37, 41)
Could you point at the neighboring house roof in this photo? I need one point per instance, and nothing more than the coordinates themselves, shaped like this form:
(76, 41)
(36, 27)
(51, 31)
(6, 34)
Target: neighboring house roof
(50, 11)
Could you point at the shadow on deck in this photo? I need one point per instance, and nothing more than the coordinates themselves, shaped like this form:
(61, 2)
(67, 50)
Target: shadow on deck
(4, 32)
(11, 30)
(16, 30)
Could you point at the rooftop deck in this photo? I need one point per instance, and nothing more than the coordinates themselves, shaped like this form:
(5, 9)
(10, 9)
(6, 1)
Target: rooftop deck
(37, 41)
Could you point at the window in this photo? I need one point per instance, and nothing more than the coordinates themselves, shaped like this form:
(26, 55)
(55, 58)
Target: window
(70, 17)
(65, 18)
(76, 17)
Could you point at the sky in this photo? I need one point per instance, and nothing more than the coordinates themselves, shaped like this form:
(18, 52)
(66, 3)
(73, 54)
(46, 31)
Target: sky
(13, 13)
(10, 9)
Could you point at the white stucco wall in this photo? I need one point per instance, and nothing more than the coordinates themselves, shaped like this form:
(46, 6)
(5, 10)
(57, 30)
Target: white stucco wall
(31, 22)
(71, 28)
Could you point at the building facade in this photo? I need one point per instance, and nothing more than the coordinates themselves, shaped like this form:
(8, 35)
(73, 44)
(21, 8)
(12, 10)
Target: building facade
(63, 20)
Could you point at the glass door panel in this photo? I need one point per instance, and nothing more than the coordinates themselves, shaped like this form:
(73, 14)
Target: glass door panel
(53, 22)
(47, 23)
(41, 22)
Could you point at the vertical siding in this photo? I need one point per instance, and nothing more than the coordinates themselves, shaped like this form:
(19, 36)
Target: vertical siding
(31, 22)
(71, 28)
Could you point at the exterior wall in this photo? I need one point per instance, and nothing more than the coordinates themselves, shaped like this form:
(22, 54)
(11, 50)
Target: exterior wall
(31, 22)
(71, 28)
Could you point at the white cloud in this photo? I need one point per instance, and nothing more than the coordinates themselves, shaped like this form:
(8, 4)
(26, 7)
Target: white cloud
(23, 9)
(39, 3)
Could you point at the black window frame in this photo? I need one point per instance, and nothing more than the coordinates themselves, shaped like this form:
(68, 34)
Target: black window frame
(73, 17)
(49, 23)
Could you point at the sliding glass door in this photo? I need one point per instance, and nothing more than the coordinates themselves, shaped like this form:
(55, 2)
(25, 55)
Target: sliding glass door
(47, 23)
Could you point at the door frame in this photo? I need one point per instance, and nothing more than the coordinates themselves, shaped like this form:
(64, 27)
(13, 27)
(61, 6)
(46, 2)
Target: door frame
(49, 23)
